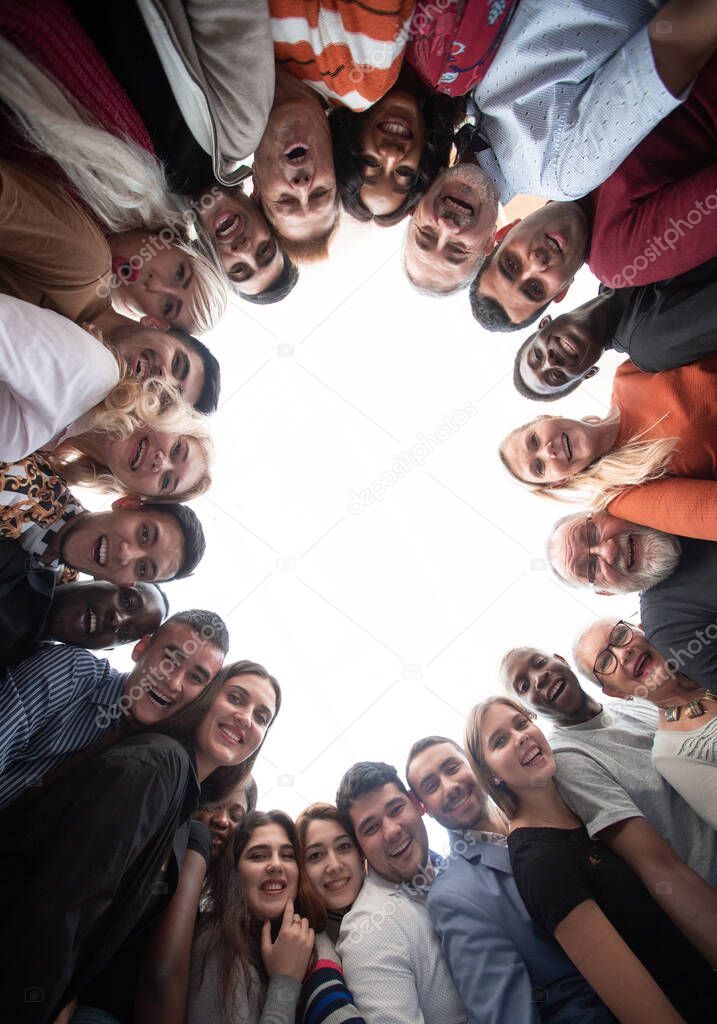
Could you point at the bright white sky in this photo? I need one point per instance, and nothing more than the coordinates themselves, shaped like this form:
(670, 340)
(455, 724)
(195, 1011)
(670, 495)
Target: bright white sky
(384, 623)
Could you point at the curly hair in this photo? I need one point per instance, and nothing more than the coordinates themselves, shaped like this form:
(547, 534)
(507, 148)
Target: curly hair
(130, 407)
(441, 116)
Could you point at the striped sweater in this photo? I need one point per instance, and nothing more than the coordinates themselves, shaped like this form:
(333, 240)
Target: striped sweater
(349, 51)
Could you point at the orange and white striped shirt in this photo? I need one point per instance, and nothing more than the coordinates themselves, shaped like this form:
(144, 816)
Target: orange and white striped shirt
(348, 50)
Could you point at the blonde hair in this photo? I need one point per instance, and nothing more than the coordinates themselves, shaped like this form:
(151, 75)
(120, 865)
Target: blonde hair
(123, 185)
(634, 463)
(501, 795)
(131, 406)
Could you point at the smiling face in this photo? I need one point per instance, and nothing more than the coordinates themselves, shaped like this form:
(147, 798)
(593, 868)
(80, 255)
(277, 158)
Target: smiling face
(241, 235)
(545, 682)
(551, 449)
(150, 352)
(452, 229)
(294, 170)
(156, 279)
(332, 863)
(442, 779)
(268, 872)
(391, 832)
(97, 614)
(639, 668)
(151, 464)
(564, 350)
(537, 260)
(515, 750)
(235, 725)
(172, 668)
(614, 555)
(124, 546)
(223, 818)
(391, 148)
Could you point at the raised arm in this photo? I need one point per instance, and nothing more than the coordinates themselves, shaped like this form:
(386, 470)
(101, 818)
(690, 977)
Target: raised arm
(679, 505)
(164, 978)
(595, 948)
(682, 894)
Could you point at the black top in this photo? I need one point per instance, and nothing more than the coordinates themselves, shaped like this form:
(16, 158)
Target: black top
(26, 592)
(667, 324)
(558, 869)
(679, 615)
(81, 869)
(126, 45)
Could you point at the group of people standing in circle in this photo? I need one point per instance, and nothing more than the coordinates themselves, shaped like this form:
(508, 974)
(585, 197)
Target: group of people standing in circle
(139, 881)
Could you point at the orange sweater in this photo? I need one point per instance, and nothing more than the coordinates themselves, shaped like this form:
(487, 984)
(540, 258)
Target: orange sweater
(684, 503)
(350, 52)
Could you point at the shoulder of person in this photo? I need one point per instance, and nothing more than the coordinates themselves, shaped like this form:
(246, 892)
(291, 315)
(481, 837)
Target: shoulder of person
(152, 749)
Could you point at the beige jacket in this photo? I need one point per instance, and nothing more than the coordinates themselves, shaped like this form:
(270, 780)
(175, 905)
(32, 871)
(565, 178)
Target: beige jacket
(219, 58)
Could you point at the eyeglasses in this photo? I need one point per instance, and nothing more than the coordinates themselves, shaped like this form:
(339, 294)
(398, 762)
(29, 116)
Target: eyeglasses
(606, 662)
(591, 538)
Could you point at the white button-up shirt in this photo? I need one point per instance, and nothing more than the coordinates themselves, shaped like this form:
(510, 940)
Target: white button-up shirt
(392, 958)
(570, 93)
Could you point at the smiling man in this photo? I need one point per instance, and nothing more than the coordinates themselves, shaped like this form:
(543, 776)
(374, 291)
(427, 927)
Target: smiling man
(547, 684)
(92, 614)
(390, 954)
(452, 230)
(660, 326)
(63, 699)
(506, 968)
(611, 554)
(631, 230)
(134, 542)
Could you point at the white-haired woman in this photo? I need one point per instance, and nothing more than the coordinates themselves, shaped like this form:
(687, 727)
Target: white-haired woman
(652, 460)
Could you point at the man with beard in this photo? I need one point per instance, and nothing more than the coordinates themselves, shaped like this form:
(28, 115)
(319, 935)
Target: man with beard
(452, 230)
(506, 968)
(605, 773)
(676, 577)
(390, 954)
(93, 614)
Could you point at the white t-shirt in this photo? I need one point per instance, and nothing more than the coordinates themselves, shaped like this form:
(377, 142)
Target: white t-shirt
(52, 372)
(688, 760)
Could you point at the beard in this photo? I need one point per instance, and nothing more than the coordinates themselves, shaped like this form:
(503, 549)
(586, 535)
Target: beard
(660, 557)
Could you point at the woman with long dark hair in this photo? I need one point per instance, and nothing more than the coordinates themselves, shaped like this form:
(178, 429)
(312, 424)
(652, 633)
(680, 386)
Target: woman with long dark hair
(96, 853)
(386, 157)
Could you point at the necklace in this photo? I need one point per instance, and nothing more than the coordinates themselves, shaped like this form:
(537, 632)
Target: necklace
(693, 708)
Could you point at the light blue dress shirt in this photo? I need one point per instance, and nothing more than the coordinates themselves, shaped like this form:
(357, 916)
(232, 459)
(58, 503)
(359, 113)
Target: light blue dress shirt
(570, 93)
(506, 967)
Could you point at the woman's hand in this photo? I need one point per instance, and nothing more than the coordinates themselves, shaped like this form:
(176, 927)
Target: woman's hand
(290, 953)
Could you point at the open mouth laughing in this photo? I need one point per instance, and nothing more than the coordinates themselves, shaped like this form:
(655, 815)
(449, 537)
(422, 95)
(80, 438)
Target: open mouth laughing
(296, 154)
(532, 757)
(641, 665)
(100, 550)
(402, 852)
(555, 690)
(227, 225)
(158, 698)
(89, 622)
(630, 554)
(274, 886)
(231, 735)
(396, 127)
(140, 452)
(555, 243)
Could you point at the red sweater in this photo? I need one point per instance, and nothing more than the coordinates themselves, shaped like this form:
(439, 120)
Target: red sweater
(679, 403)
(656, 215)
(47, 33)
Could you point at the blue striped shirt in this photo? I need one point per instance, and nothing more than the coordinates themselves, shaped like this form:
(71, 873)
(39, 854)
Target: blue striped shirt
(52, 704)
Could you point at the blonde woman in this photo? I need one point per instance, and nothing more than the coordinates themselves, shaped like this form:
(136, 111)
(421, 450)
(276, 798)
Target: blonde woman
(616, 934)
(147, 258)
(652, 460)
